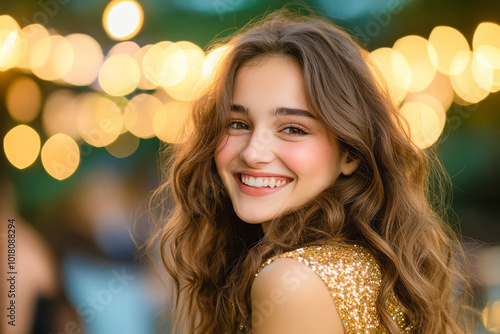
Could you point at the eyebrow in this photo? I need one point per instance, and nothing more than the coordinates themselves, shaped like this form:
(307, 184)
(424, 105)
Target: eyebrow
(281, 111)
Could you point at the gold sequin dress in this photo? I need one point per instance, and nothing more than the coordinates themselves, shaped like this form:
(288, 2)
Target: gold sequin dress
(353, 278)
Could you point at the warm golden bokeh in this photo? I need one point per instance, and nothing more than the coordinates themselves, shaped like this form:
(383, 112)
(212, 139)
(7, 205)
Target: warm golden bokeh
(139, 115)
(123, 48)
(191, 86)
(99, 119)
(123, 20)
(51, 58)
(486, 34)
(87, 60)
(125, 145)
(491, 317)
(119, 75)
(23, 99)
(212, 60)
(447, 42)
(171, 125)
(60, 114)
(60, 156)
(440, 89)
(425, 121)
(144, 83)
(465, 85)
(486, 66)
(165, 64)
(33, 33)
(395, 72)
(420, 56)
(21, 146)
(12, 43)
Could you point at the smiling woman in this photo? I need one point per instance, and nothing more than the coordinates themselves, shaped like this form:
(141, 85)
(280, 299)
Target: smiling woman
(276, 155)
(299, 204)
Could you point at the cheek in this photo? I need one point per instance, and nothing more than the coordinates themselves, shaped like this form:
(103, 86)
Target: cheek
(312, 159)
(224, 153)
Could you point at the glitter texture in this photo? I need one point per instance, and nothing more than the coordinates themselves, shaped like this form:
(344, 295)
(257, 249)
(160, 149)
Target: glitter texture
(353, 278)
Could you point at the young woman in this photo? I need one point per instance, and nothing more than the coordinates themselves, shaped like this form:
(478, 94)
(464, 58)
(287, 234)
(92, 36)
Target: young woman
(299, 205)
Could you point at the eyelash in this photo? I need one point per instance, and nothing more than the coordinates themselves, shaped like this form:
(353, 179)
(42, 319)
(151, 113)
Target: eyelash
(232, 125)
(301, 130)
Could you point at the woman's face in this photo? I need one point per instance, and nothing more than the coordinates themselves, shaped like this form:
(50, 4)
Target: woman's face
(276, 154)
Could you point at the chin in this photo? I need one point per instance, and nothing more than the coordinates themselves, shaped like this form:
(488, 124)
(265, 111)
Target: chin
(252, 218)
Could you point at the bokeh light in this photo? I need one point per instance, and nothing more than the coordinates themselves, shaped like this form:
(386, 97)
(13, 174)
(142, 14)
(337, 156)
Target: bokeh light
(144, 83)
(139, 115)
(491, 317)
(165, 64)
(446, 42)
(87, 60)
(420, 56)
(60, 113)
(119, 75)
(486, 33)
(172, 124)
(99, 119)
(440, 89)
(191, 86)
(12, 43)
(51, 58)
(125, 145)
(486, 46)
(21, 146)
(486, 66)
(123, 19)
(123, 48)
(60, 156)
(395, 71)
(33, 33)
(23, 99)
(425, 122)
(466, 87)
(213, 59)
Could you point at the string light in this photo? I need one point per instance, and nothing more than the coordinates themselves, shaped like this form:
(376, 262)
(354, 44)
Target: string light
(420, 55)
(12, 43)
(122, 20)
(395, 72)
(20, 108)
(119, 75)
(60, 156)
(423, 76)
(21, 146)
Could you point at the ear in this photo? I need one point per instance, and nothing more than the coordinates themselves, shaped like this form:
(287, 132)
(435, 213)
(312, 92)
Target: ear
(348, 165)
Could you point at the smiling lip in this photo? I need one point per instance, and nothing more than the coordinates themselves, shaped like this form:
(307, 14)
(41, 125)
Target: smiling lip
(260, 191)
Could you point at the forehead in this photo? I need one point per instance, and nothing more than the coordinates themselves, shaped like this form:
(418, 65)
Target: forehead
(275, 81)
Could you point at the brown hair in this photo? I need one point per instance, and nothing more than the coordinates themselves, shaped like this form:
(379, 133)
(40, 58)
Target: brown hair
(385, 205)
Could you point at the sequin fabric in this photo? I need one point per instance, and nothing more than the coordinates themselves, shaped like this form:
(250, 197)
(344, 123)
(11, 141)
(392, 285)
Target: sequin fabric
(353, 278)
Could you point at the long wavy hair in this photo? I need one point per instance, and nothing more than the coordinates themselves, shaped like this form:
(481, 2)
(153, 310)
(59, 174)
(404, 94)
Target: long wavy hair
(387, 205)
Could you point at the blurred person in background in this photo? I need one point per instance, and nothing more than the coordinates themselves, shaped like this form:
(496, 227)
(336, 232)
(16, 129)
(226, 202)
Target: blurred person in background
(96, 251)
(41, 306)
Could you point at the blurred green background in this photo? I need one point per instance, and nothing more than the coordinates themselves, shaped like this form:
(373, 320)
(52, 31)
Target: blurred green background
(470, 143)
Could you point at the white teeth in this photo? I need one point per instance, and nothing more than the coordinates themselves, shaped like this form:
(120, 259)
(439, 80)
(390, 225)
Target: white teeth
(272, 183)
(259, 182)
(251, 181)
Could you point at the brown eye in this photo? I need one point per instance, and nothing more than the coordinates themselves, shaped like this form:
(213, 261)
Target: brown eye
(238, 125)
(294, 131)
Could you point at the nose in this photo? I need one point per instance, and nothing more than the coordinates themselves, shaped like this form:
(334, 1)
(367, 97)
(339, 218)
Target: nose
(258, 150)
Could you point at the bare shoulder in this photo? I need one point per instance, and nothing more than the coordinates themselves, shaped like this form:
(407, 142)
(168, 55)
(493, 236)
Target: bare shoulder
(289, 297)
